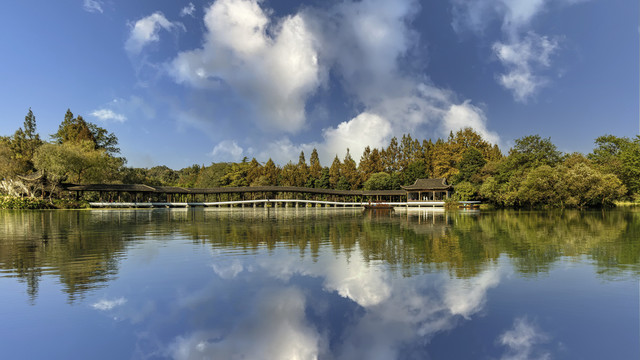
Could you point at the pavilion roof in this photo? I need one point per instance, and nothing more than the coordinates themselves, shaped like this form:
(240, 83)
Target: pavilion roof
(429, 184)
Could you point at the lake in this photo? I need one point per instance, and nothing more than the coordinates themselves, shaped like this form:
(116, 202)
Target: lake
(319, 283)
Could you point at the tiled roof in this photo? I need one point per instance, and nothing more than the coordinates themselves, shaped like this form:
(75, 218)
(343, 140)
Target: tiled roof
(429, 184)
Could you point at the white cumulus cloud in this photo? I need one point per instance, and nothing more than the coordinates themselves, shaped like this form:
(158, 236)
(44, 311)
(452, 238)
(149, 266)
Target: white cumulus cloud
(145, 31)
(93, 6)
(273, 64)
(107, 114)
(227, 150)
(269, 68)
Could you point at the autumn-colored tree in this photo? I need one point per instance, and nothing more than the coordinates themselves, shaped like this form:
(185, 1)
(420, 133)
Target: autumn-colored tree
(427, 156)
(302, 171)
(350, 172)
(288, 175)
(271, 173)
(391, 156)
(444, 160)
(315, 169)
(334, 172)
(254, 172)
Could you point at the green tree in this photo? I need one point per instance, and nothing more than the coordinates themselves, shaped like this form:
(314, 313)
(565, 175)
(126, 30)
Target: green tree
(532, 151)
(78, 130)
(464, 191)
(378, 181)
(619, 156)
(409, 151)
(23, 145)
(77, 162)
(323, 182)
(470, 165)
(415, 170)
(235, 176)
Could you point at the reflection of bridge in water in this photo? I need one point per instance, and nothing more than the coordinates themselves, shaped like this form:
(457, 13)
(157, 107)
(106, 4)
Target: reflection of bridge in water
(269, 203)
(134, 195)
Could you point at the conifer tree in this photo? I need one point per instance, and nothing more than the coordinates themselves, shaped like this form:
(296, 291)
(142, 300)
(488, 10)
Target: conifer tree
(334, 172)
(302, 171)
(271, 173)
(349, 171)
(315, 170)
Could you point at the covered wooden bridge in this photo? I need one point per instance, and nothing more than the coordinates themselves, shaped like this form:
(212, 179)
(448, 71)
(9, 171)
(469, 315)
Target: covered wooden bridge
(137, 195)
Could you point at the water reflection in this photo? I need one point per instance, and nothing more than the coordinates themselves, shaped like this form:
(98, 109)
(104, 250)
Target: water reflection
(335, 284)
(335, 307)
(83, 248)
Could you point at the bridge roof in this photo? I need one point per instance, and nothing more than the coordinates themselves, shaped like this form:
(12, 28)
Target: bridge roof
(226, 190)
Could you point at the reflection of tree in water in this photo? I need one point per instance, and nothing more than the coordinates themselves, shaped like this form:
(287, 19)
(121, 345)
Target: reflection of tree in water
(67, 244)
(83, 248)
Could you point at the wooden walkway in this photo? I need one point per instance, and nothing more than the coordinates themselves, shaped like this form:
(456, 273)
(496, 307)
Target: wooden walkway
(269, 203)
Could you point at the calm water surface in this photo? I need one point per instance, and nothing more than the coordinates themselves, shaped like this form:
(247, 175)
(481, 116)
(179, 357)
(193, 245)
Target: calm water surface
(312, 283)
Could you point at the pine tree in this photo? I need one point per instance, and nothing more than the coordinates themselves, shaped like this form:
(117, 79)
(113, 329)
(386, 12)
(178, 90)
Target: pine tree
(24, 144)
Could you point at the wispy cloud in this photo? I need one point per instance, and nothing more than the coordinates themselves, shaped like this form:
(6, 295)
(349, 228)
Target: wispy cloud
(145, 31)
(524, 53)
(521, 58)
(93, 6)
(188, 10)
(104, 305)
(107, 114)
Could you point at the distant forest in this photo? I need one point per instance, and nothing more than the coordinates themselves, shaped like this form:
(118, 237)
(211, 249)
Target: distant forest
(533, 173)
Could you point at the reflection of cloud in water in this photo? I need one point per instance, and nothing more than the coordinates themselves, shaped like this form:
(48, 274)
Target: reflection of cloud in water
(466, 296)
(521, 341)
(365, 283)
(104, 304)
(275, 328)
(228, 271)
(400, 315)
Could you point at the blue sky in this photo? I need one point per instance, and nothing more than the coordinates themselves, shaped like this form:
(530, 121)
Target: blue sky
(184, 82)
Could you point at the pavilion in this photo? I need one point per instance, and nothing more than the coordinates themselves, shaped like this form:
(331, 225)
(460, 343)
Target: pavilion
(428, 190)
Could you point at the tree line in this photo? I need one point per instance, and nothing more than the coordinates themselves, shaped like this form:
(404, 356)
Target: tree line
(534, 173)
